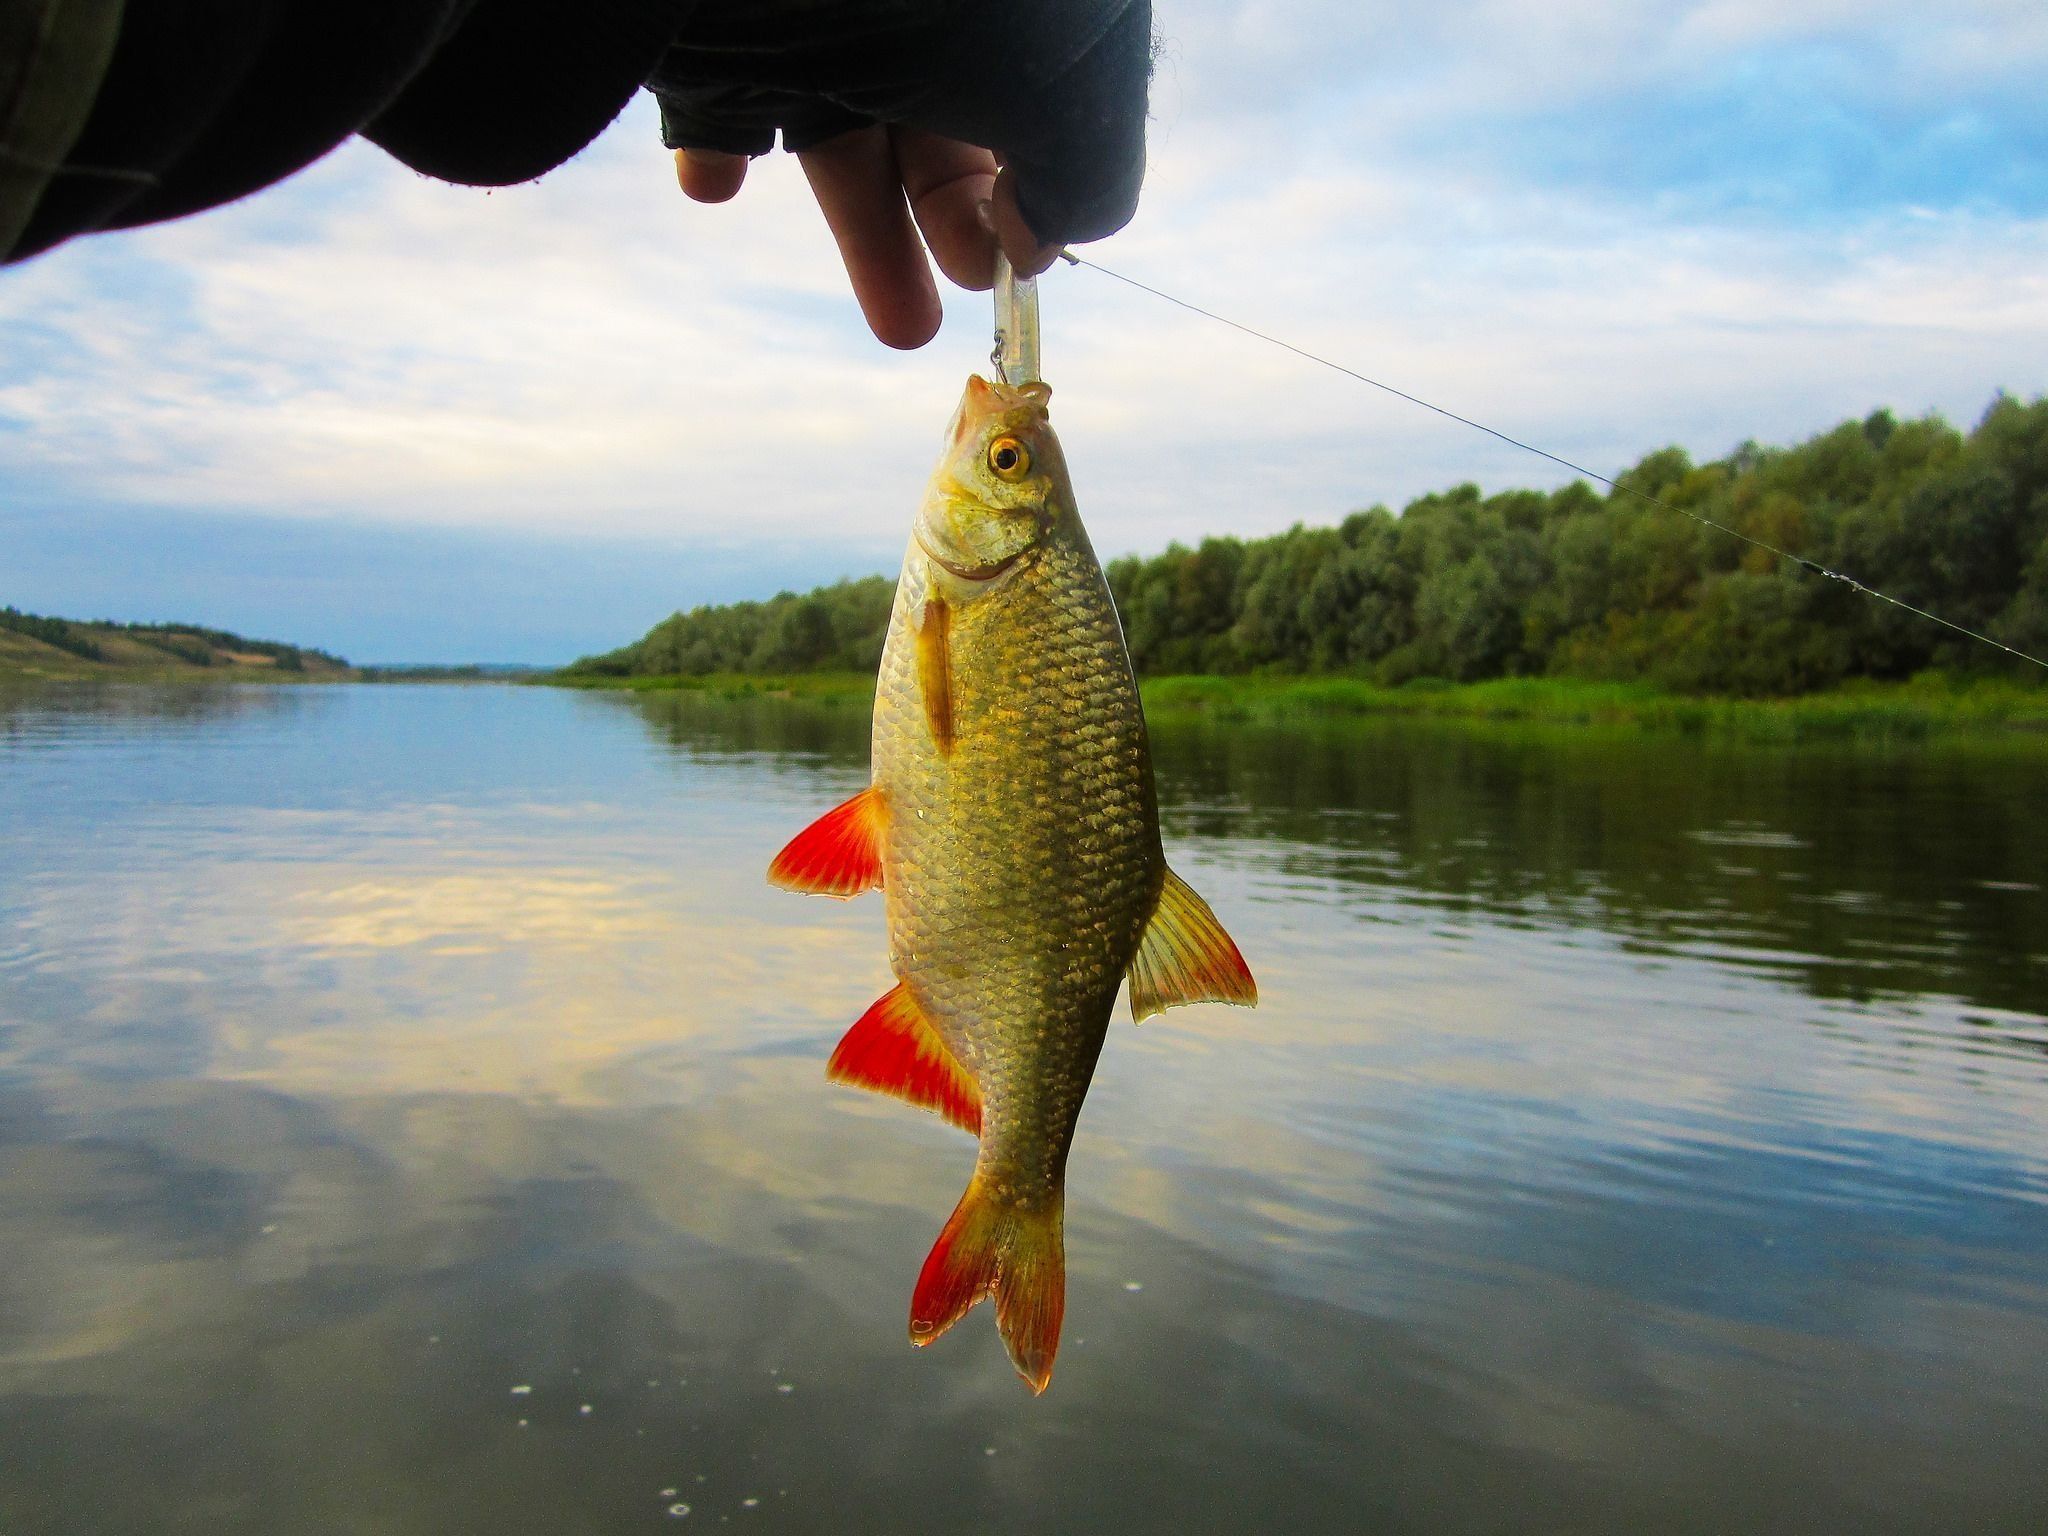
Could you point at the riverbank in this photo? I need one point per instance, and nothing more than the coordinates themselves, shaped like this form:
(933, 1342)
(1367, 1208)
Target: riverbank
(859, 686)
(1921, 709)
(1917, 710)
(38, 648)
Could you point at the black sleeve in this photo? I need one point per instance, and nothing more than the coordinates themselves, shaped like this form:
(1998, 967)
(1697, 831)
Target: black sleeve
(199, 102)
(116, 115)
(1056, 86)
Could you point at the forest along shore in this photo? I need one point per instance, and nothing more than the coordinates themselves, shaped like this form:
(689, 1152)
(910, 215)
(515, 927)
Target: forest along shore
(1566, 605)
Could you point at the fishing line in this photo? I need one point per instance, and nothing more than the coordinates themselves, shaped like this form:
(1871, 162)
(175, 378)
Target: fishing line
(1811, 566)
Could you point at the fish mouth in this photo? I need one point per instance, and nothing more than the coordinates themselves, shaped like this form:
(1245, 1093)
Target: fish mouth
(976, 573)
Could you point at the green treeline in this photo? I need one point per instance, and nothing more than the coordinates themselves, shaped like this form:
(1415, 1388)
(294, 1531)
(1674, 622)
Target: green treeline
(1567, 583)
(839, 628)
(61, 633)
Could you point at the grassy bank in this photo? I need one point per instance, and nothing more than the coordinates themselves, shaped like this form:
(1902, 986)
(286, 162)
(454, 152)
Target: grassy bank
(1912, 711)
(730, 685)
(1922, 709)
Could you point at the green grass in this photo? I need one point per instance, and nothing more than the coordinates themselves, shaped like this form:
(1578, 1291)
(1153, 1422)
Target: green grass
(1926, 708)
(732, 685)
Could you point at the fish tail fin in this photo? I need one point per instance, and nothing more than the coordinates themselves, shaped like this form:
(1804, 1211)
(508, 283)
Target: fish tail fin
(1031, 1291)
(1016, 1254)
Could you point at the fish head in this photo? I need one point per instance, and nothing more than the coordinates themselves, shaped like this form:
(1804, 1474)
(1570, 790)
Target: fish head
(999, 491)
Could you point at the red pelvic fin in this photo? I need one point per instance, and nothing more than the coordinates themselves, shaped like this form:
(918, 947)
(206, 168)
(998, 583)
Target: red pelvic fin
(894, 1049)
(839, 854)
(1017, 1255)
(1186, 957)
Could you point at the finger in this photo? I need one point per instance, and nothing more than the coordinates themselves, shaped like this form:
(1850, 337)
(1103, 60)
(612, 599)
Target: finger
(860, 191)
(946, 182)
(709, 175)
(1027, 254)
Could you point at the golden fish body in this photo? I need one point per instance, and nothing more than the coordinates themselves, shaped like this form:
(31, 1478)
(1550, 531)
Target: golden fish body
(1014, 830)
(1021, 859)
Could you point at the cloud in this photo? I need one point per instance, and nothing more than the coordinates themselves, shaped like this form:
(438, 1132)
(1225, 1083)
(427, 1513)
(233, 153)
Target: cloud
(1785, 104)
(1258, 56)
(1603, 227)
(573, 349)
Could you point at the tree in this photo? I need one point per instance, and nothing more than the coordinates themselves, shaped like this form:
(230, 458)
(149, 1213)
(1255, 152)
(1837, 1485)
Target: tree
(1568, 582)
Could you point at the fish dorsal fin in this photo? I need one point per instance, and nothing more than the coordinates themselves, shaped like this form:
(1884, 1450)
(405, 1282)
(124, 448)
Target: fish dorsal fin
(839, 854)
(1186, 957)
(893, 1048)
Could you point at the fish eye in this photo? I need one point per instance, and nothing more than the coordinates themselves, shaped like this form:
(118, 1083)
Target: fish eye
(1010, 459)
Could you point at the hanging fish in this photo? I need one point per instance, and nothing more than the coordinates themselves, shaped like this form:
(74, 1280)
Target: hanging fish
(1013, 829)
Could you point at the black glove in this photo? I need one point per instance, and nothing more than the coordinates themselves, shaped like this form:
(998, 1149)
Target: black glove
(1055, 87)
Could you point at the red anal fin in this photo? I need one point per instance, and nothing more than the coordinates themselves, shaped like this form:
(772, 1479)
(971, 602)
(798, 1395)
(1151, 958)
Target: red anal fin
(839, 854)
(1186, 957)
(1012, 1252)
(935, 671)
(893, 1048)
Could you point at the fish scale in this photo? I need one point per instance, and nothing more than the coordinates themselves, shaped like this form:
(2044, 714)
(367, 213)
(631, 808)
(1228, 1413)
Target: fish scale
(1034, 835)
(1013, 828)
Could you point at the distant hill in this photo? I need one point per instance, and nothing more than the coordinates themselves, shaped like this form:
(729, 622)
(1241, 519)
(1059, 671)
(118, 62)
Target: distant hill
(34, 645)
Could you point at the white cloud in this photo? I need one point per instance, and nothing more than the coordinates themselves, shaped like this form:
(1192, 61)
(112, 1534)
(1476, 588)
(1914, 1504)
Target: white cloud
(1288, 53)
(1600, 337)
(591, 346)
(593, 353)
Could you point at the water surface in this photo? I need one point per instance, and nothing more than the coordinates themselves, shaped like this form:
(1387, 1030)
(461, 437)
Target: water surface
(412, 1119)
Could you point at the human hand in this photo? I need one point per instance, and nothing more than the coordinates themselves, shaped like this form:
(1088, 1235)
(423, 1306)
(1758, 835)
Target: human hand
(888, 121)
(882, 187)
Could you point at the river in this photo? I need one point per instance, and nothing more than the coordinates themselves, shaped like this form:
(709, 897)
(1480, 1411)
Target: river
(412, 1119)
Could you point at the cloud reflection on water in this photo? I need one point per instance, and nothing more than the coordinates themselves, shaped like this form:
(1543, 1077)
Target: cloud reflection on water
(322, 1126)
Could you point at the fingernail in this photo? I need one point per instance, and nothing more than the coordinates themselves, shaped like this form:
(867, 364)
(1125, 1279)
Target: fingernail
(985, 215)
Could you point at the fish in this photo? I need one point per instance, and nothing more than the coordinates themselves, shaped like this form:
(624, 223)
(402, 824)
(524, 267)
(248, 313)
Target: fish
(1012, 826)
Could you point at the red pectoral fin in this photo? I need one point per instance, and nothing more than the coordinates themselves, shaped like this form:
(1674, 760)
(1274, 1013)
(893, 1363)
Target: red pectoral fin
(1186, 957)
(894, 1049)
(839, 854)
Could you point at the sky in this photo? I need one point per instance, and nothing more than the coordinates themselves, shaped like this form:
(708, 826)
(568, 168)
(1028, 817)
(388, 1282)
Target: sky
(406, 421)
